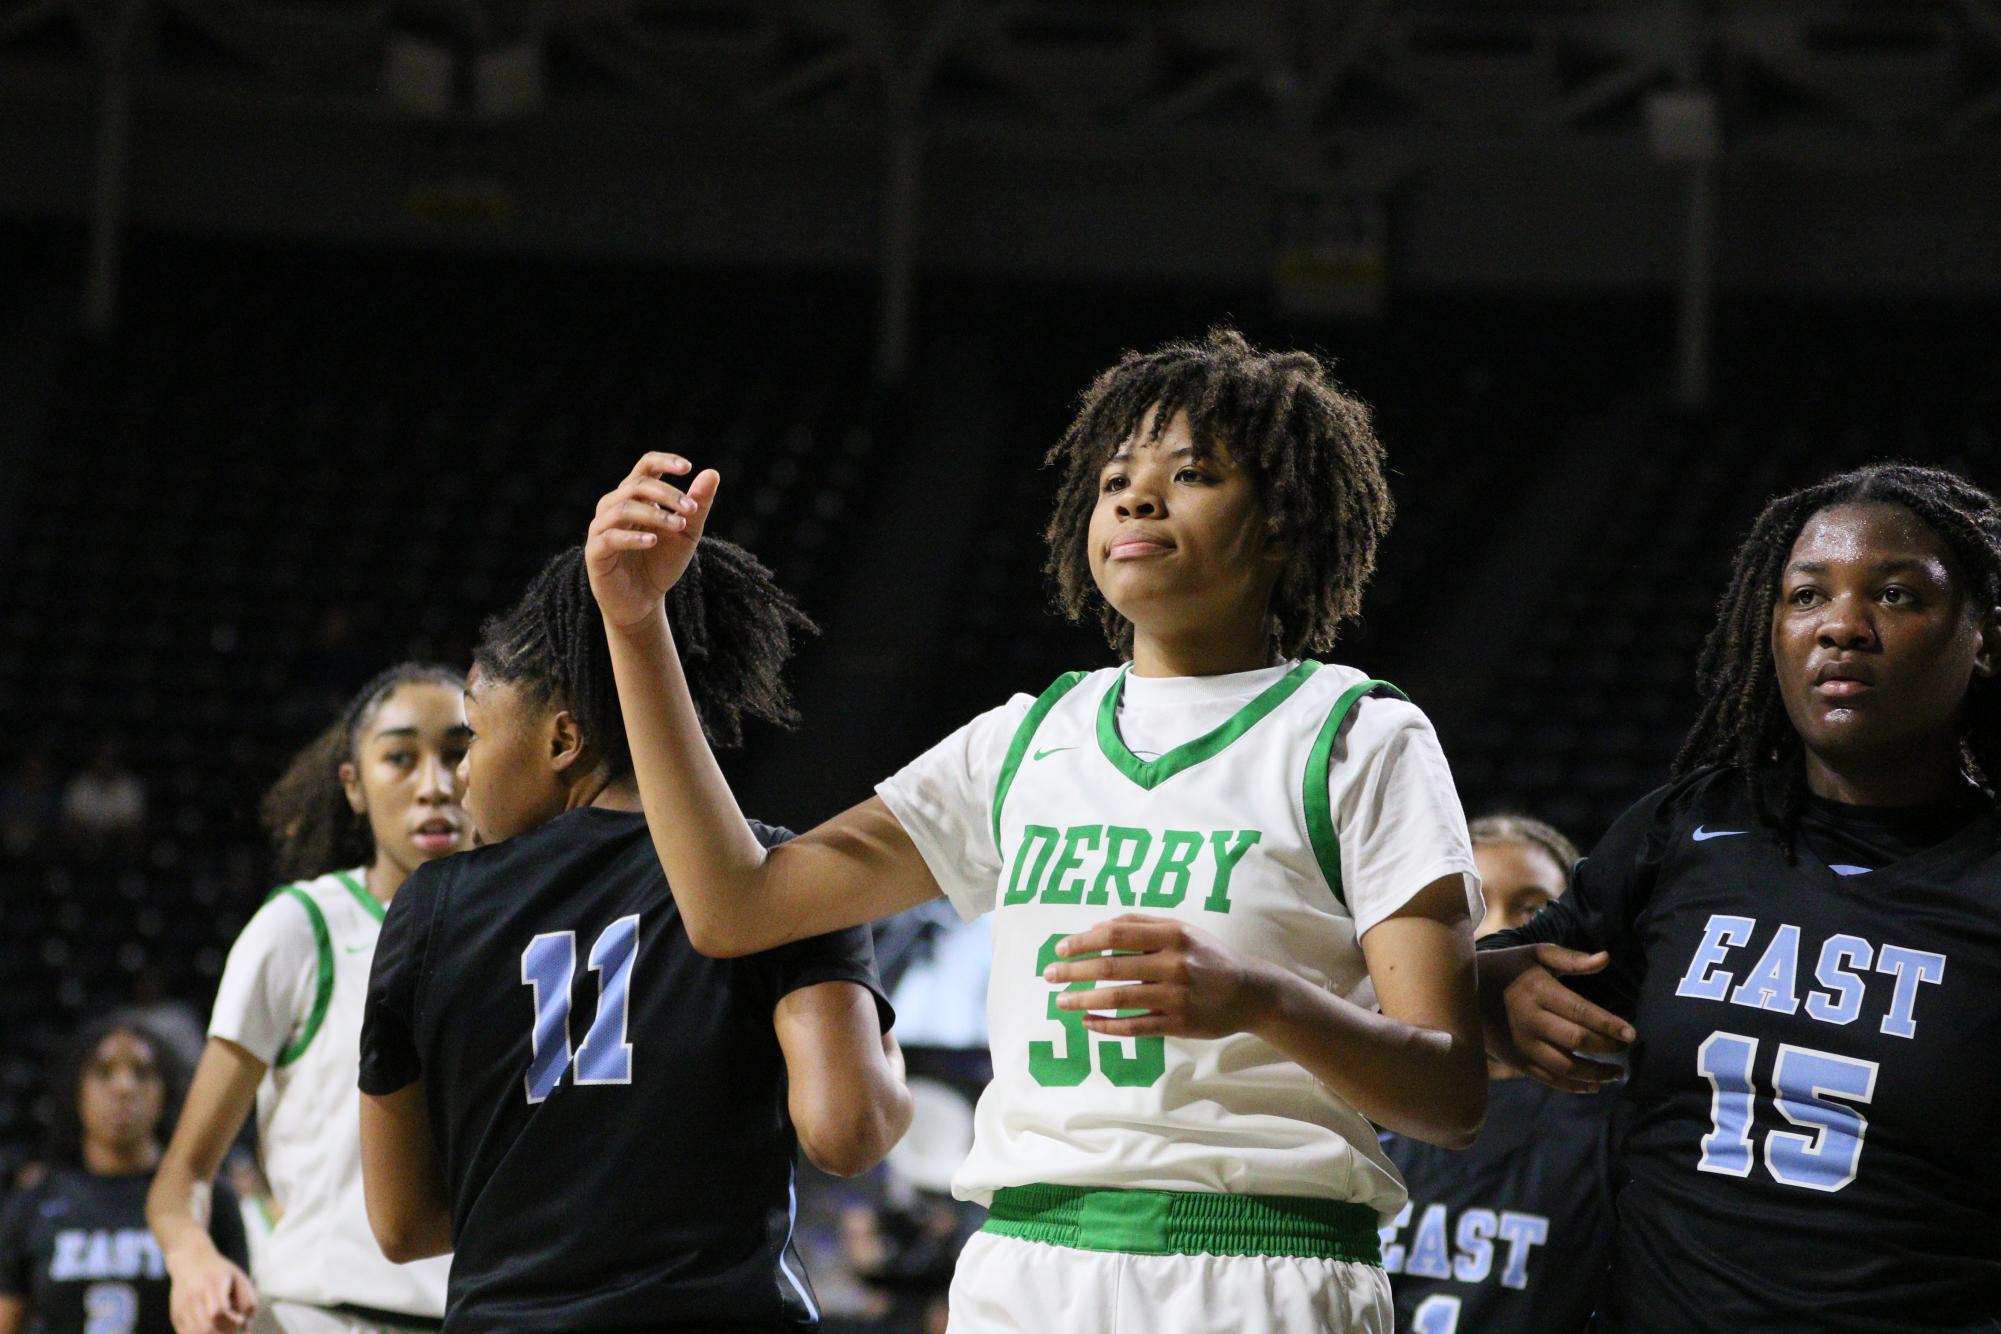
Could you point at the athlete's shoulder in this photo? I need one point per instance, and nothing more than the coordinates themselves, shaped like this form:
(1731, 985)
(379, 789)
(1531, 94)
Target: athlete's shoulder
(1369, 720)
(992, 732)
(1064, 682)
(1691, 806)
(294, 914)
(1083, 683)
(1386, 702)
(1714, 793)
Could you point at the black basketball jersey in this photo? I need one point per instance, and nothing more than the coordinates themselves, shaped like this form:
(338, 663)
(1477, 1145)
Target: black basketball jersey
(1512, 1235)
(608, 1105)
(1810, 1132)
(75, 1246)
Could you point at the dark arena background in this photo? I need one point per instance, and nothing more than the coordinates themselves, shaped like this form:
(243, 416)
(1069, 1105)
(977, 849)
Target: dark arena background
(323, 323)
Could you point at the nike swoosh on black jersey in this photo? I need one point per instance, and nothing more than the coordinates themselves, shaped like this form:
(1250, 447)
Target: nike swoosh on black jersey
(1702, 835)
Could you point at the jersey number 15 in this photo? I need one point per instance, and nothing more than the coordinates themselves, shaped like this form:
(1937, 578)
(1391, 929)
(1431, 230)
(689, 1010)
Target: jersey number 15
(1818, 1091)
(548, 966)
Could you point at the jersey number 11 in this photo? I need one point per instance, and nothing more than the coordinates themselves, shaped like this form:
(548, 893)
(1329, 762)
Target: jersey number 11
(548, 966)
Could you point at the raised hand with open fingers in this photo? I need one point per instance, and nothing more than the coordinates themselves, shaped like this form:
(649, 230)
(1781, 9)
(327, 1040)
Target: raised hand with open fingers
(644, 535)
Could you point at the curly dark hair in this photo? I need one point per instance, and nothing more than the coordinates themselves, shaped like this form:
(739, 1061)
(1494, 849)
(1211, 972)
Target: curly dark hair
(732, 624)
(1743, 723)
(1308, 444)
(65, 1126)
(313, 830)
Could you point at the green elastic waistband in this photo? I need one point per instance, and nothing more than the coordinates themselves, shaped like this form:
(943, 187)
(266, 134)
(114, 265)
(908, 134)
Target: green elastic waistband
(1172, 1222)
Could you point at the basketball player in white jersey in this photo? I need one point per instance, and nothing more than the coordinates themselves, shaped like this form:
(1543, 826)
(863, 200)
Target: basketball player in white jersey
(377, 793)
(1232, 892)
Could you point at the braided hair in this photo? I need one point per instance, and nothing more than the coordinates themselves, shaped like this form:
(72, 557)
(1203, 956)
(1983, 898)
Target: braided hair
(312, 827)
(733, 625)
(1309, 446)
(1743, 723)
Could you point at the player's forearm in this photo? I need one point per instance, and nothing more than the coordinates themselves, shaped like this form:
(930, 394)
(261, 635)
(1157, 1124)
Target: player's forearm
(220, 1096)
(401, 1187)
(711, 858)
(177, 1210)
(1426, 1083)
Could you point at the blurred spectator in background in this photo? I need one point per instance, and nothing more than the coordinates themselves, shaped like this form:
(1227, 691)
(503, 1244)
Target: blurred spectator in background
(30, 805)
(104, 807)
(75, 1254)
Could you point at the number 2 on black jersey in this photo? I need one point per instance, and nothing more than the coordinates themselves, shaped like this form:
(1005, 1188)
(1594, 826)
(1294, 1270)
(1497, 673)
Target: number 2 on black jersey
(548, 966)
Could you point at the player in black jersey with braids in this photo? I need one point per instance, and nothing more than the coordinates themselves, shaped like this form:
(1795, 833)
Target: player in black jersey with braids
(1800, 940)
(597, 1120)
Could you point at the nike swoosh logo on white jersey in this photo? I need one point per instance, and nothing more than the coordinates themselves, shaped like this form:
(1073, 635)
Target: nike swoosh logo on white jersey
(1702, 835)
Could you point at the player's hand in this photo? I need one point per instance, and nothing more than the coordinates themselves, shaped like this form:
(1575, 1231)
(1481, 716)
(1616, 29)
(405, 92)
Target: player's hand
(1535, 1024)
(1189, 984)
(644, 535)
(210, 1295)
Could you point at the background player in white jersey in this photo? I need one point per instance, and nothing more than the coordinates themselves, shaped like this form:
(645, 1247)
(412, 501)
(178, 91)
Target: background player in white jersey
(1295, 851)
(378, 793)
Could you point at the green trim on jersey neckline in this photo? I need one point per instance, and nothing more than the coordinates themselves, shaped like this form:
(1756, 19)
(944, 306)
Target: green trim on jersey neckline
(323, 986)
(1182, 1222)
(361, 894)
(1024, 734)
(1318, 801)
(1150, 774)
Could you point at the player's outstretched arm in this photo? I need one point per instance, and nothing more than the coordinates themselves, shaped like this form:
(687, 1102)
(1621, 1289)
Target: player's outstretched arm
(407, 1208)
(1416, 1067)
(735, 897)
(13, 1313)
(1532, 1022)
(208, 1294)
(844, 1077)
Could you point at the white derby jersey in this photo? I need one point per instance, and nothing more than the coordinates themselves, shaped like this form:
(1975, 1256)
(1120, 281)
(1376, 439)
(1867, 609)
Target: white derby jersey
(292, 995)
(1286, 832)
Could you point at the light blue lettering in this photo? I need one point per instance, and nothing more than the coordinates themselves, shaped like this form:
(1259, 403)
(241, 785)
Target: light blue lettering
(1522, 1232)
(1911, 969)
(1721, 935)
(1476, 1245)
(1429, 1256)
(1842, 1004)
(1772, 984)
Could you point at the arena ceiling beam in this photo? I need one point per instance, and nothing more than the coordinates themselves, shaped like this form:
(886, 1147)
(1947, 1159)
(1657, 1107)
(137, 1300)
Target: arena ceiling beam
(1251, 67)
